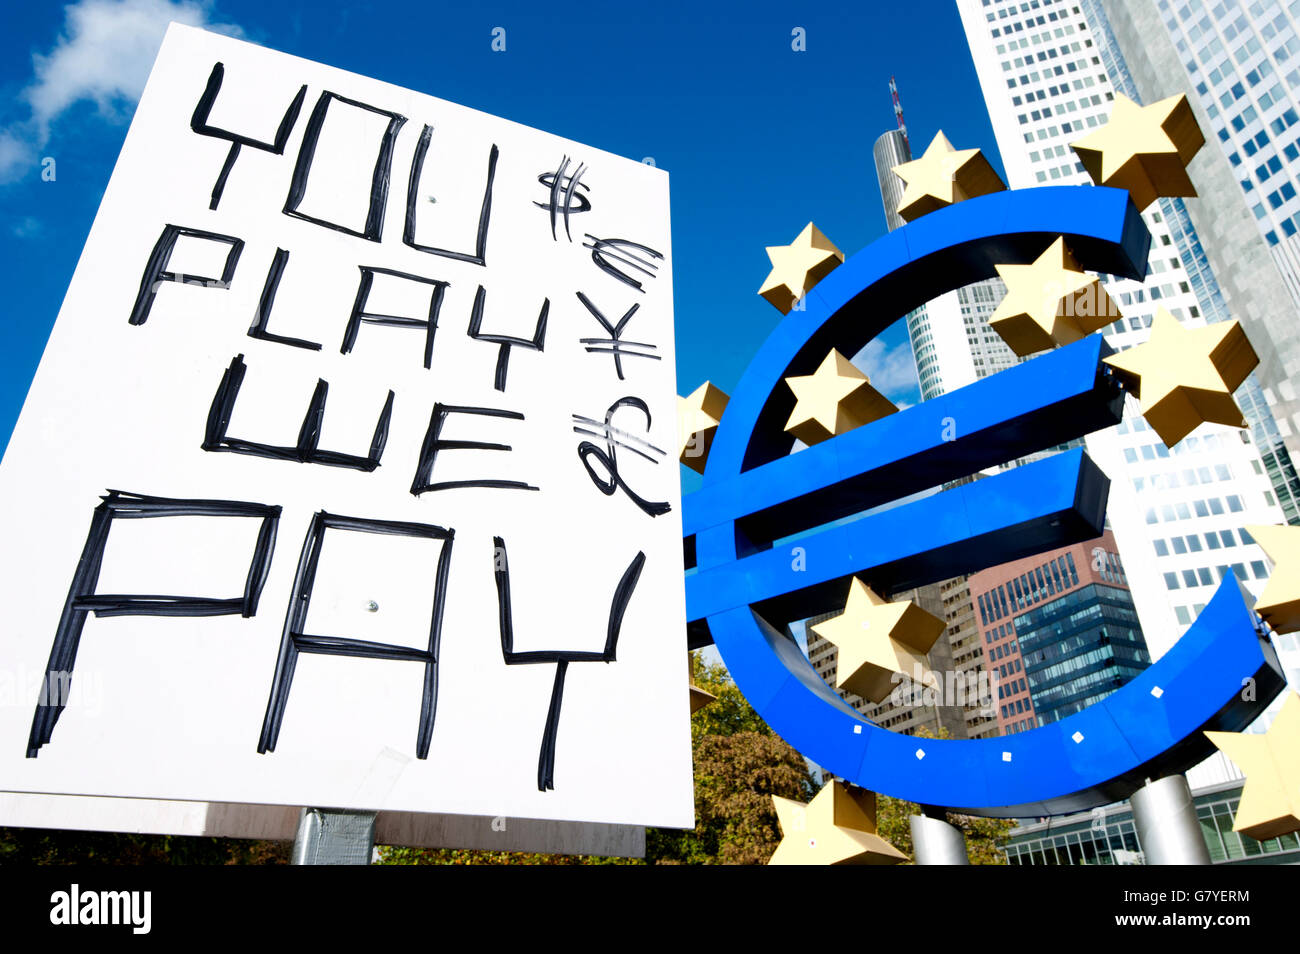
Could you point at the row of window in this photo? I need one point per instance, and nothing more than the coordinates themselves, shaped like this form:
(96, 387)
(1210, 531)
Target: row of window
(1029, 21)
(1107, 845)
(1191, 477)
(1116, 842)
(998, 632)
(1011, 688)
(1213, 541)
(1069, 671)
(1034, 39)
(1045, 625)
(1202, 508)
(1203, 576)
(1206, 442)
(1058, 172)
(1016, 707)
(1030, 587)
(1084, 691)
(1061, 108)
(1009, 669)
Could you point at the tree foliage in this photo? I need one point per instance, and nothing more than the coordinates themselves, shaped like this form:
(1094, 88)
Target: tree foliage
(37, 846)
(391, 854)
(730, 712)
(740, 763)
(735, 778)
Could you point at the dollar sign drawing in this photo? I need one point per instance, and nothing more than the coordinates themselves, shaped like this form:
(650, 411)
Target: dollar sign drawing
(564, 199)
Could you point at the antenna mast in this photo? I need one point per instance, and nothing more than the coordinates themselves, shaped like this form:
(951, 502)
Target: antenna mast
(898, 109)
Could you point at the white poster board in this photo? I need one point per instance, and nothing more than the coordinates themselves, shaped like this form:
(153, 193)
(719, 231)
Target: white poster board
(347, 477)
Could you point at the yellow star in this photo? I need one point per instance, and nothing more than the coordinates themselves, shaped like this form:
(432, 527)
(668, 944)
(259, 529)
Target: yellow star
(1186, 376)
(698, 417)
(699, 697)
(1144, 149)
(838, 827)
(876, 639)
(944, 176)
(1279, 604)
(1049, 302)
(1270, 800)
(836, 398)
(797, 267)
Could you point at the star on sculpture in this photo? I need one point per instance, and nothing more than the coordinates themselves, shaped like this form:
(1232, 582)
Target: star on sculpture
(1270, 800)
(834, 399)
(876, 639)
(797, 267)
(943, 176)
(698, 417)
(1144, 149)
(699, 697)
(1186, 376)
(1279, 604)
(1049, 302)
(838, 827)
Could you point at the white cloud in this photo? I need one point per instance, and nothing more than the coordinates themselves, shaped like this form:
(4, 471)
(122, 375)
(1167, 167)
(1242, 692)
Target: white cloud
(892, 370)
(24, 227)
(103, 55)
(15, 153)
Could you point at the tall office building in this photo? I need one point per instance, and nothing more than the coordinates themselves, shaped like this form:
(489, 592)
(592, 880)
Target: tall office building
(953, 346)
(1237, 64)
(1176, 514)
(963, 709)
(1059, 630)
(1045, 84)
(1240, 62)
(945, 360)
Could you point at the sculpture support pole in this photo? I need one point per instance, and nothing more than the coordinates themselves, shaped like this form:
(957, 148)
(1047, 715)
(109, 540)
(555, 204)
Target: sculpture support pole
(935, 841)
(1164, 815)
(333, 837)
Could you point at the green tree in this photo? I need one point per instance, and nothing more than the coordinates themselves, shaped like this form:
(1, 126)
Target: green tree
(740, 763)
(37, 846)
(393, 855)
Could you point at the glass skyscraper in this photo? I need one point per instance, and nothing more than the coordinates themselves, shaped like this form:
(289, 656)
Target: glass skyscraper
(1242, 62)
(1060, 632)
(1048, 78)
(1236, 64)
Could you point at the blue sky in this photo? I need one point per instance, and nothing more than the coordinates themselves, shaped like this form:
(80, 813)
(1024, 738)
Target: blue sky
(759, 139)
